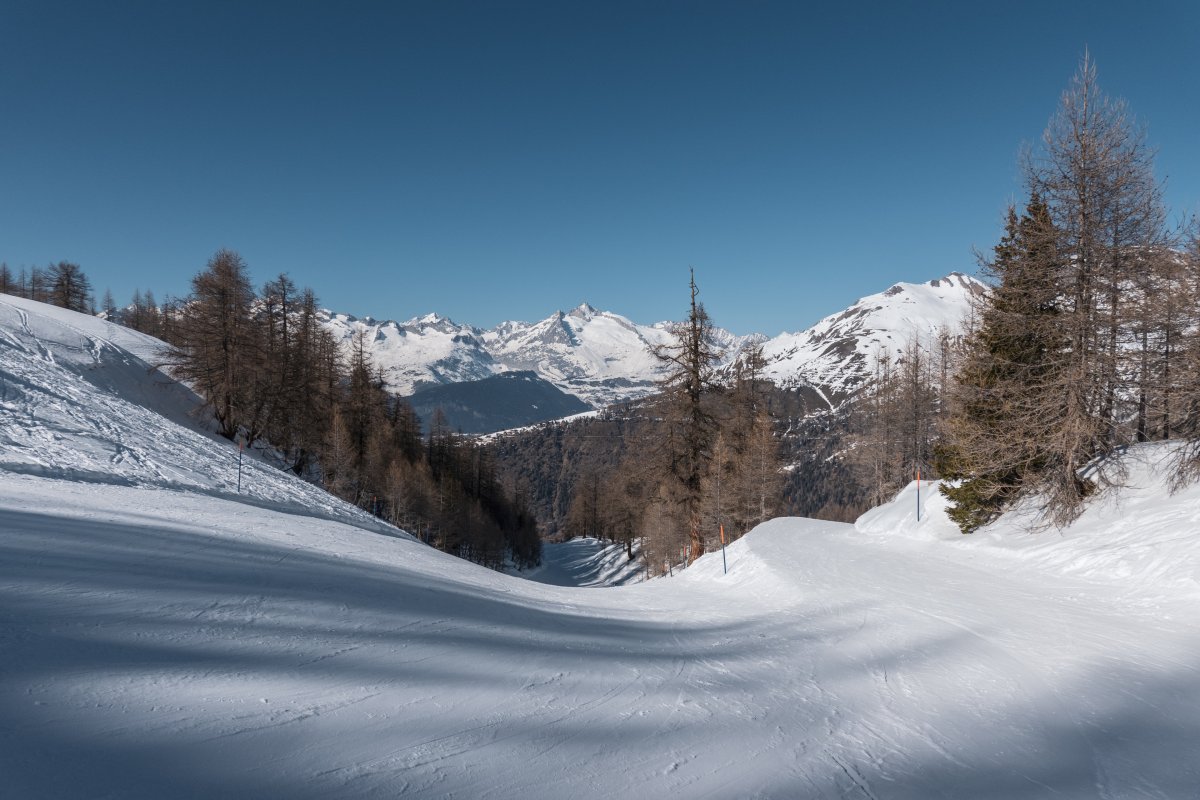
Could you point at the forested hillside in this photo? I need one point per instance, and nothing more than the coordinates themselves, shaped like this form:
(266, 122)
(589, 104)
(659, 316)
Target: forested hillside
(682, 472)
(274, 378)
(500, 402)
(555, 461)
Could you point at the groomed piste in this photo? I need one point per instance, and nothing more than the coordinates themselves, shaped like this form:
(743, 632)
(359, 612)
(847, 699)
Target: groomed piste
(162, 635)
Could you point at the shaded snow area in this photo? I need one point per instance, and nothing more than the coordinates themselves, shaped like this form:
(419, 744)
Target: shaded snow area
(586, 562)
(161, 636)
(164, 643)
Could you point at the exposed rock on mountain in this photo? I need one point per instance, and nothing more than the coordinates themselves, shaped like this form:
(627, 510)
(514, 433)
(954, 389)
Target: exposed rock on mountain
(603, 358)
(835, 355)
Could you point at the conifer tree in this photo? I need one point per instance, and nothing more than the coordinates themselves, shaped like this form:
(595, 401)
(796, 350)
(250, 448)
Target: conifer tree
(622, 502)
(110, 307)
(151, 315)
(896, 421)
(1005, 400)
(133, 314)
(585, 513)
(744, 482)
(38, 287)
(1187, 403)
(314, 377)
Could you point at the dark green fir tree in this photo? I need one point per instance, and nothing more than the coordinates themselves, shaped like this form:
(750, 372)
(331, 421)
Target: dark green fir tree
(1005, 394)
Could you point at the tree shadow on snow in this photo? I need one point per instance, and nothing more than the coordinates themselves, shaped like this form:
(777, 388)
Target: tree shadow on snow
(132, 656)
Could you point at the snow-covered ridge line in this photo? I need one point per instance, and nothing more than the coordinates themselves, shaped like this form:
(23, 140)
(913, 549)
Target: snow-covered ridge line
(602, 357)
(836, 353)
(598, 356)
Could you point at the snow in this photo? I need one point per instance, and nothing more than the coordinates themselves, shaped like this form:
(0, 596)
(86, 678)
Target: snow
(838, 352)
(586, 562)
(162, 636)
(603, 358)
(491, 437)
(597, 356)
(80, 399)
(428, 349)
(1141, 536)
(583, 345)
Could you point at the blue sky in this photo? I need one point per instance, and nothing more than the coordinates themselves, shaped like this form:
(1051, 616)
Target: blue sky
(501, 160)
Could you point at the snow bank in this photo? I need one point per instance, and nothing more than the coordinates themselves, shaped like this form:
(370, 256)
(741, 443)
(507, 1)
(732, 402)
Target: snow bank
(1139, 534)
(918, 511)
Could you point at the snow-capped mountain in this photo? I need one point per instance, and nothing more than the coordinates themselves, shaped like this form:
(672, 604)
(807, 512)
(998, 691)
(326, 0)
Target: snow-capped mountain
(598, 356)
(835, 356)
(584, 351)
(426, 350)
(602, 357)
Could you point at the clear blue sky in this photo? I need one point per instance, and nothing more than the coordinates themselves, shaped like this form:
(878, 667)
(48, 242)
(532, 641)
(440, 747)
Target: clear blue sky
(500, 160)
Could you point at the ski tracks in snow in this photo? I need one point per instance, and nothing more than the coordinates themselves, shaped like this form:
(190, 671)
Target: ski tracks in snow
(287, 651)
(168, 633)
(1038, 670)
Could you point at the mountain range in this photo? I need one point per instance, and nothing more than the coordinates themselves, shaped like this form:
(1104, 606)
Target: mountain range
(598, 356)
(602, 357)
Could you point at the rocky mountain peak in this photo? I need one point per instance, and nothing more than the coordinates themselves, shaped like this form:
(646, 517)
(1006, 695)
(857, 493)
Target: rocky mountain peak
(602, 357)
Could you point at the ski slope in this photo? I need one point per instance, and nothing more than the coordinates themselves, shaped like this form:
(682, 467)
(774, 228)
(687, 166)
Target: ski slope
(158, 642)
(162, 636)
(80, 398)
(586, 562)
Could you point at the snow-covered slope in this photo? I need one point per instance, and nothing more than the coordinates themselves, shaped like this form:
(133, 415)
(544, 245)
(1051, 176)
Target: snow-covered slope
(836, 355)
(80, 399)
(603, 358)
(1141, 536)
(162, 643)
(163, 636)
(586, 562)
